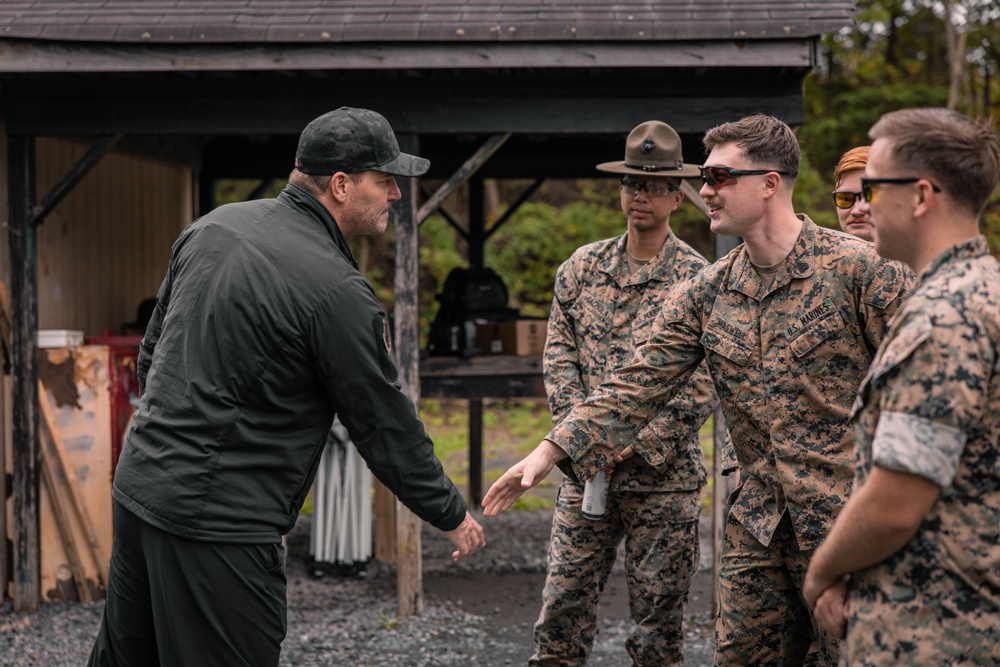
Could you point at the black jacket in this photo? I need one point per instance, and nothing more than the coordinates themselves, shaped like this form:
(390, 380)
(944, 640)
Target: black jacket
(264, 330)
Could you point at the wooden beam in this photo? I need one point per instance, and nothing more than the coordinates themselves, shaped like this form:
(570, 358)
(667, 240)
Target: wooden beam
(409, 566)
(24, 363)
(722, 486)
(691, 192)
(4, 407)
(470, 167)
(569, 113)
(477, 223)
(512, 209)
(72, 177)
(261, 188)
(23, 56)
(443, 212)
(385, 523)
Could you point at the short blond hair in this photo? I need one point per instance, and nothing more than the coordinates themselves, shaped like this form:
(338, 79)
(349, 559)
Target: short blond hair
(856, 158)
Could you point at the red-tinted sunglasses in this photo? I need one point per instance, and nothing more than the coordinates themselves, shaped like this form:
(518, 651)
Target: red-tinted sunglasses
(720, 177)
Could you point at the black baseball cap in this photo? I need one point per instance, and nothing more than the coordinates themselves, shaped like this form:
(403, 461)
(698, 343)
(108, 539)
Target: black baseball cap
(352, 140)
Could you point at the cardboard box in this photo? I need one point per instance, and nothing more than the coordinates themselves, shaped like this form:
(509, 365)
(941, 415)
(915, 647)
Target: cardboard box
(517, 337)
(58, 338)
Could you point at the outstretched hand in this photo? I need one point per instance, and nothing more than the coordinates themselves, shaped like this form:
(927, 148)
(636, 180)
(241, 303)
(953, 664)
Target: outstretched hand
(523, 475)
(467, 537)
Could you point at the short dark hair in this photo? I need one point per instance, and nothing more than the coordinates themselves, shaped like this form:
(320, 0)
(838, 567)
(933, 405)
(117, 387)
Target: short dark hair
(316, 184)
(959, 154)
(765, 140)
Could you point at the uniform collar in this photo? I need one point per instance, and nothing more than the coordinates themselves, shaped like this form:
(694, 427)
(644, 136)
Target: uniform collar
(966, 250)
(658, 268)
(744, 278)
(301, 199)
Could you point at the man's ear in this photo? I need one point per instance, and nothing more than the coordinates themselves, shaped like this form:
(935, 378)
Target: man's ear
(771, 183)
(925, 198)
(338, 186)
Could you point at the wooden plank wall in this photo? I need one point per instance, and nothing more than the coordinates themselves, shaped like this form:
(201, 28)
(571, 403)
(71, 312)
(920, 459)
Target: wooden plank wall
(78, 396)
(105, 247)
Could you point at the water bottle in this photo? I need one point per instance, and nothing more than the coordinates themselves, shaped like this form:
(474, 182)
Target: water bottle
(595, 496)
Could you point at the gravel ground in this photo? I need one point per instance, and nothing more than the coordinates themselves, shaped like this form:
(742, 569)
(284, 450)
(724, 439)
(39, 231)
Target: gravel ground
(477, 612)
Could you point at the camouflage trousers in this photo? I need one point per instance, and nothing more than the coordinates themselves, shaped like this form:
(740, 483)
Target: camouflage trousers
(661, 554)
(763, 619)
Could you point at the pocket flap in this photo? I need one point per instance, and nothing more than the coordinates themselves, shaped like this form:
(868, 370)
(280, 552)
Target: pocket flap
(721, 343)
(826, 325)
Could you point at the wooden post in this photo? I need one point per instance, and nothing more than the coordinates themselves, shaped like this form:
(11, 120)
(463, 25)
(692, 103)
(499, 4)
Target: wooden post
(477, 256)
(385, 523)
(718, 504)
(477, 222)
(475, 451)
(407, 328)
(4, 438)
(24, 365)
(721, 486)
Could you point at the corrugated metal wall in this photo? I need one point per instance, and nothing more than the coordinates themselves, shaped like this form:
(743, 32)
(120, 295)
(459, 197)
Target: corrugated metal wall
(105, 247)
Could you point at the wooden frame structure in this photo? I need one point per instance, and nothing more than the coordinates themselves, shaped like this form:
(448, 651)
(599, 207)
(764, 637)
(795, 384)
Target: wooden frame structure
(537, 90)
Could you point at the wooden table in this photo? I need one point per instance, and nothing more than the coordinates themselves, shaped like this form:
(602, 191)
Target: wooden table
(476, 378)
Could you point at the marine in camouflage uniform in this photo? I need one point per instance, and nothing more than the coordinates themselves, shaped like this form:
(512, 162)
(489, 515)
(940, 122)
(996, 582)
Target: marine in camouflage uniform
(932, 403)
(786, 361)
(604, 306)
(600, 313)
(787, 340)
(918, 544)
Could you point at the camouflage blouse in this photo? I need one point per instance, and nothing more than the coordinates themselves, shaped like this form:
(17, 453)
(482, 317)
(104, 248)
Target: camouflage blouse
(786, 362)
(930, 406)
(600, 314)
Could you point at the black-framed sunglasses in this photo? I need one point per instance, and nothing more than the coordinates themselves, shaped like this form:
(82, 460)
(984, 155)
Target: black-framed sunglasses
(845, 198)
(720, 177)
(869, 186)
(655, 188)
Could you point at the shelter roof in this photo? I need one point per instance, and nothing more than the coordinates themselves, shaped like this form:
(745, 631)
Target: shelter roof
(387, 21)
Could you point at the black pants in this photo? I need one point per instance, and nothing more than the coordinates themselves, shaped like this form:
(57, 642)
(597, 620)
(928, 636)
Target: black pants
(178, 602)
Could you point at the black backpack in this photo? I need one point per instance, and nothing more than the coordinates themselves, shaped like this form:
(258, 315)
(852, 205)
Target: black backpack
(468, 297)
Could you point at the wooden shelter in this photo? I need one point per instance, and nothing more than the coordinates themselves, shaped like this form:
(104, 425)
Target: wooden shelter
(142, 106)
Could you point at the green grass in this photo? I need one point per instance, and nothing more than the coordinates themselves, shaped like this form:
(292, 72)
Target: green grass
(511, 429)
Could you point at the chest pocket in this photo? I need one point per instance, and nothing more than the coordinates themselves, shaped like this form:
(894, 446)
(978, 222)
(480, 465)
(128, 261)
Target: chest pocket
(594, 321)
(808, 337)
(642, 325)
(729, 341)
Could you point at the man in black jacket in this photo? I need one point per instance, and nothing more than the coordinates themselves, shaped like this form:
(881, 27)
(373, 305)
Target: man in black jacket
(264, 329)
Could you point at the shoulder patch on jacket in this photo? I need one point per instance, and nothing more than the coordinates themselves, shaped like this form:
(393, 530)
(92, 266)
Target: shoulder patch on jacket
(383, 338)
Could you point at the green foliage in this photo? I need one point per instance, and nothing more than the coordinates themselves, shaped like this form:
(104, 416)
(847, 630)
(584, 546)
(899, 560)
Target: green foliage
(812, 195)
(838, 115)
(530, 503)
(511, 429)
(387, 622)
(307, 504)
(896, 56)
(530, 249)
